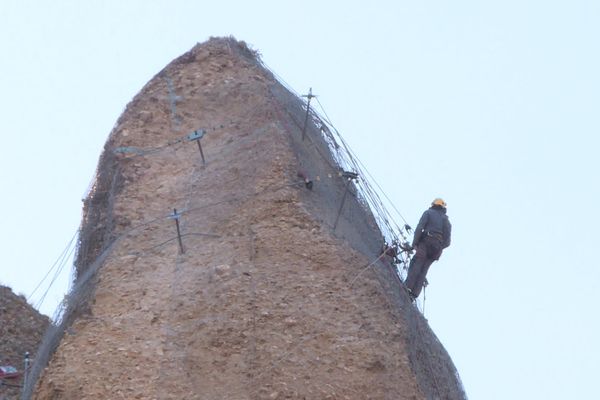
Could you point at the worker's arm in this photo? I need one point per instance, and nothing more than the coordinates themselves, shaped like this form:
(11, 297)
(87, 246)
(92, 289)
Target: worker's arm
(419, 229)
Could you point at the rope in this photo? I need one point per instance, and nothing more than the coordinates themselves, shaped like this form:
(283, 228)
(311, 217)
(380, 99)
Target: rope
(375, 202)
(312, 143)
(238, 198)
(384, 218)
(56, 275)
(279, 78)
(65, 255)
(366, 268)
(60, 263)
(348, 161)
(363, 168)
(60, 257)
(205, 206)
(176, 237)
(137, 151)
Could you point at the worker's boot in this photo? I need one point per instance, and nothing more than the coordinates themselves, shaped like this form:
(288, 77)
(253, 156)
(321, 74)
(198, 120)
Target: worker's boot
(414, 270)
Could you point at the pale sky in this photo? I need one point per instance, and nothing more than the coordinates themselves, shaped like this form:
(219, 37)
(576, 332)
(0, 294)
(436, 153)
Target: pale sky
(492, 105)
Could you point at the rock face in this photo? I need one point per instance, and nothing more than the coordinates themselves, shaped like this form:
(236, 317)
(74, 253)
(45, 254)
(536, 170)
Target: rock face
(21, 330)
(266, 300)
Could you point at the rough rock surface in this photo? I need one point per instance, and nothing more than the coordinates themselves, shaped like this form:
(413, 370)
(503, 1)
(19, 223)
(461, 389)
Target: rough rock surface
(267, 301)
(21, 330)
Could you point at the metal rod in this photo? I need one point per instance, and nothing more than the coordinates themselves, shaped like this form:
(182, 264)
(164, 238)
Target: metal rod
(176, 217)
(310, 96)
(201, 152)
(25, 374)
(342, 205)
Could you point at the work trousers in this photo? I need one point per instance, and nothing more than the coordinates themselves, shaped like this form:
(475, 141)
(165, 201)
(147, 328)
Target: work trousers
(428, 251)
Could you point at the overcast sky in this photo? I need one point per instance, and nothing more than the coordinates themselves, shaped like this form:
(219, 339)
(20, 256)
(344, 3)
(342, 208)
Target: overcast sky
(492, 105)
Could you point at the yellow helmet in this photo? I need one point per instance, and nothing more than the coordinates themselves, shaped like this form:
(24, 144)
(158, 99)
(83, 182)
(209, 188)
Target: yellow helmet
(439, 202)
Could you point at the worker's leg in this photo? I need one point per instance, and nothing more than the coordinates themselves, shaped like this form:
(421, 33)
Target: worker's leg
(433, 250)
(420, 278)
(413, 272)
(415, 267)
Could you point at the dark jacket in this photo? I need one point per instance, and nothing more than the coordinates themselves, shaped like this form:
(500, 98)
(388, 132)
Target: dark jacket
(434, 222)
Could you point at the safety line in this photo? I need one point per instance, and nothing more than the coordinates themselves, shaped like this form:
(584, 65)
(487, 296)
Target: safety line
(366, 268)
(177, 237)
(353, 155)
(384, 219)
(63, 263)
(60, 257)
(375, 202)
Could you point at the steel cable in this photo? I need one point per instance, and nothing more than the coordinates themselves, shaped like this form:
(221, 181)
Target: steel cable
(63, 263)
(60, 257)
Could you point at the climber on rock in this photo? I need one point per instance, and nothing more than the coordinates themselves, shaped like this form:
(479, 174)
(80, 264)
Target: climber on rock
(432, 236)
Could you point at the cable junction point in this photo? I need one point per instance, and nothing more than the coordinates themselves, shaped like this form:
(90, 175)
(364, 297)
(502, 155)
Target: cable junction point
(350, 175)
(196, 136)
(309, 96)
(138, 151)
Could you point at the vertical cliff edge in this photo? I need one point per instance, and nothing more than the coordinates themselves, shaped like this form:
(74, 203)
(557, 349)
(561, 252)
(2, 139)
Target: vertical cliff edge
(267, 300)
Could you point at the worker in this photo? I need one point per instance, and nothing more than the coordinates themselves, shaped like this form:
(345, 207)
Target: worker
(432, 236)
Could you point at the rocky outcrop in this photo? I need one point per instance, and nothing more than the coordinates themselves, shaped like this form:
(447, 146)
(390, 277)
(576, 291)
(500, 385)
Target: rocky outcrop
(259, 297)
(21, 330)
